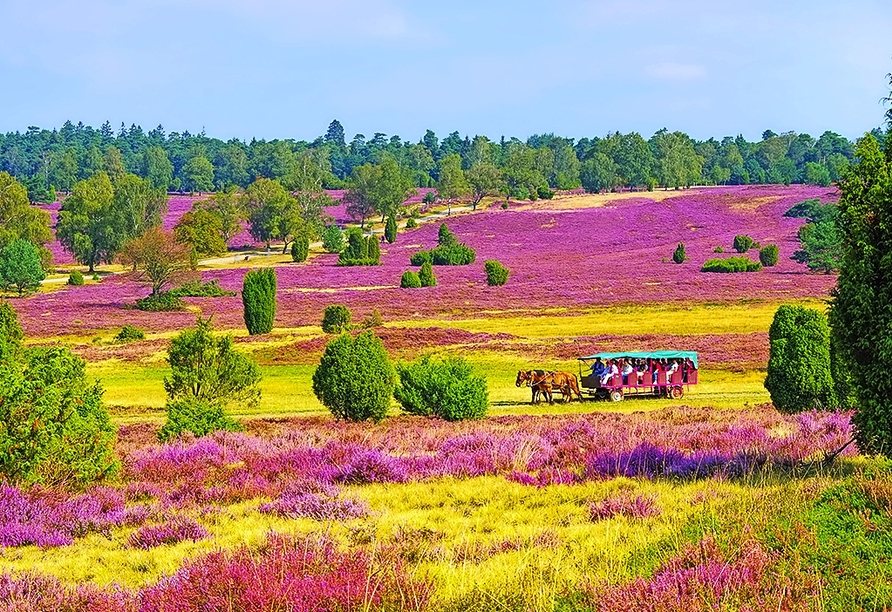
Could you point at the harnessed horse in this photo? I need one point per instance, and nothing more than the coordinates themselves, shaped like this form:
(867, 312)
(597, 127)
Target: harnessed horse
(541, 381)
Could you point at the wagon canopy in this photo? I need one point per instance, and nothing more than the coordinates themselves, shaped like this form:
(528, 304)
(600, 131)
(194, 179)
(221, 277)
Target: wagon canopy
(692, 355)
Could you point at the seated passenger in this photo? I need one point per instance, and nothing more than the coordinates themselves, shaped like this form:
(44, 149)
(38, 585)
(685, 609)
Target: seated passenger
(672, 369)
(626, 370)
(609, 372)
(597, 368)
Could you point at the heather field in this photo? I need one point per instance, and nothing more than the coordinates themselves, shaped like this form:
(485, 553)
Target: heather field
(712, 502)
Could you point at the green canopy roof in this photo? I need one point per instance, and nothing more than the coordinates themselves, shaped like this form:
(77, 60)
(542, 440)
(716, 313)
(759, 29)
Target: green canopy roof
(692, 355)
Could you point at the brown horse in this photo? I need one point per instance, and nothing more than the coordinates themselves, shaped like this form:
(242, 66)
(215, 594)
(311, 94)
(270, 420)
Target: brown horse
(535, 379)
(564, 382)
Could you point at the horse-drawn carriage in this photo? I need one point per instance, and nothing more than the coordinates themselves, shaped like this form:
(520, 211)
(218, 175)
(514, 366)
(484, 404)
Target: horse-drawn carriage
(644, 373)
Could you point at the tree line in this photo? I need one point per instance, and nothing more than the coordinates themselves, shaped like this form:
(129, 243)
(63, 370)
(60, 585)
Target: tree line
(48, 160)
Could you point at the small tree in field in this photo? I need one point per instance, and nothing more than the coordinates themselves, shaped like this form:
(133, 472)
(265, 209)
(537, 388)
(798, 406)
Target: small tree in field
(768, 255)
(390, 229)
(20, 267)
(679, 255)
(300, 248)
(259, 300)
(496, 273)
(449, 389)
(426, 275)
(156, 257)
(336, 319)
(207, 373)
(799, 369)
(355, 379)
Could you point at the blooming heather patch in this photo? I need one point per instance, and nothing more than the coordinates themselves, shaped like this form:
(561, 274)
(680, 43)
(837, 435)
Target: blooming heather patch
(558, 258)
(47, 518)
(624, 504)
(179, 529)
(296, 504)
(701, 577)
(295, 574)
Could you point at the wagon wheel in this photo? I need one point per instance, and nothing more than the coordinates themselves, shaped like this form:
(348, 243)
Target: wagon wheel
(616, 395)
(677, 392)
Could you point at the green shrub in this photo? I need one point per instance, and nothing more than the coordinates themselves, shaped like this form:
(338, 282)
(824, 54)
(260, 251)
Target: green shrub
(373, 320)
(96, 276)
(259, 300)
(355, 380)
(429, 198)
(360, 250)
(198, 416)
(161, 302)
(56, 430)
(732, 264)
(200, 289)
(300, 249)
(206, 373)
(419, 258)
(336, 319)
(390, 229)
(130, 333)
(333, 239)
(455, 255)
(10, 334)
(449, 389)
(718, 249)
(411, 223)
(799, 376)
(545, 193)
(410, 280)
(76, 278)
(426, 275)
(805, 209)
(743, 243)
(504, 205)
(496, 273)
(768, 255)
(679, 255)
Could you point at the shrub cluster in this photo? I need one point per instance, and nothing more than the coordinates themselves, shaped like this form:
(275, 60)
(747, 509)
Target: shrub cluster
(743, 243)
(449, 389)
(259, 300)
(76, 278)
(360, 250)
(200, 289)
(355, 380)
(679, 256)
(196, 415)
(496, 273)
(373, 320)
(732, 264)
(130, 333)
(161, 302)
(300, 248)
(411, 223)
(448, 252)
(336, 319)
(768, 255)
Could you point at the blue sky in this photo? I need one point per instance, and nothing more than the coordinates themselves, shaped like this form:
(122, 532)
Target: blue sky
(286, 68)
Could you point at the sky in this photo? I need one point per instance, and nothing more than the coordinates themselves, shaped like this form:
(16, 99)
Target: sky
(286, 68)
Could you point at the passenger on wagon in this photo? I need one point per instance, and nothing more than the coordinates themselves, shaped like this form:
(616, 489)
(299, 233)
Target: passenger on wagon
(597, 368)
(609, 372)
(627, 369)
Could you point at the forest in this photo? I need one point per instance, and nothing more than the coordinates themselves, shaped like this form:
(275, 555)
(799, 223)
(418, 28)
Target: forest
(46, 161)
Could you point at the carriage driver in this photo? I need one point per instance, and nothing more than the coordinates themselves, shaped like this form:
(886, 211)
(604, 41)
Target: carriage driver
(597, 368)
